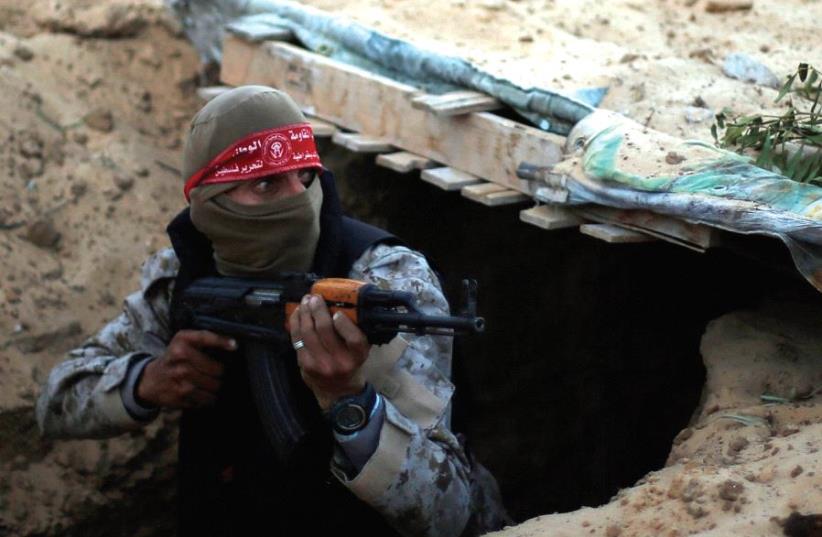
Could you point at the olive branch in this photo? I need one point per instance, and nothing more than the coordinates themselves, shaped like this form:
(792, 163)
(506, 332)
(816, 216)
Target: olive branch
(790, 144)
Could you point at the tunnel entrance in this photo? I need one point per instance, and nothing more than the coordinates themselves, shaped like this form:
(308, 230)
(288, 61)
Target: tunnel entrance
(590, 365)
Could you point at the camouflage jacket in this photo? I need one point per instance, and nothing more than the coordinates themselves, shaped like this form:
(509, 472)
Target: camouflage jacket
(418, 477)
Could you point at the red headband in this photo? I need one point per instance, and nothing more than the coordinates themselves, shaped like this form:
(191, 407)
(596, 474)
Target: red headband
(286, 148)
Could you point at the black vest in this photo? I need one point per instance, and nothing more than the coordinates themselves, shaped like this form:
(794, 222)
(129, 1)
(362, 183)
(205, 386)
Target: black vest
(230, 483)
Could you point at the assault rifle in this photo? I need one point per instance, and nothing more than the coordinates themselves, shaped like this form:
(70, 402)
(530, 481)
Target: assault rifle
(255, 312)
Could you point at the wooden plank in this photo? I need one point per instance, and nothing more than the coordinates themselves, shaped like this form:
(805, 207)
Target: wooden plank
(449, 178)
(614, 234)
(322, 129)
(404, 162)
(456, 103)
(493, 195)
(479, 143)
(550, 217)
(238, 55)
(360, 143)
(697, 237)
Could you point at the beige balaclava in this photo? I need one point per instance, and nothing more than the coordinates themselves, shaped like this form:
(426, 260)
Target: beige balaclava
(250, 240)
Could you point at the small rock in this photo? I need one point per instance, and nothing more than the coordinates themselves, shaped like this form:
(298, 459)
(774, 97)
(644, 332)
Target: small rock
(494, 5)
(144, 104)
(30, 145)
(683, 435)
(141, 171)
(674, 158)
(738, 444)
(79, 137)
(796, 471)
(695, 114)
(696, 511)
(23, 52)
(731, 490)
(30, 168)
(123, 181)
(725, 6)
(78, 189)
(42, 233)
(699, 102)
(526, 38)
(628, 58)
(100, 119)
(747, 69)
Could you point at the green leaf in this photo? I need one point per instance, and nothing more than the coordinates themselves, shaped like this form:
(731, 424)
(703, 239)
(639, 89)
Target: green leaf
(811, 81)
(786, 87)
(802, 71)
(765, 158)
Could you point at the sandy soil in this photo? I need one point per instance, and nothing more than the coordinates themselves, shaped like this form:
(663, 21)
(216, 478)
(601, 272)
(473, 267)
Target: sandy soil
(95, 99)
(658, 58)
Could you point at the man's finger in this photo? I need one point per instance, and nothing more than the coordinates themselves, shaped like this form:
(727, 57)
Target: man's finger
(308, 332)
(202, 381)
(207, 339)
(352, 335)
(324, 326)
(205, 363)
(294, 325)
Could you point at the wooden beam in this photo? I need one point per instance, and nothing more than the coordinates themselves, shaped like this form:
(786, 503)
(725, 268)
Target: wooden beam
(694, 236)
(614, 234)
(550, 217)
(322, 129)
(449, 178)
(360, 143)
(492, 194)
(481, 144)
(404, 162)
(456, 103)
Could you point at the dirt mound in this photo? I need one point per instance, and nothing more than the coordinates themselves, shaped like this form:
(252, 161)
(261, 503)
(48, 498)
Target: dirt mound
(749, 463)
(95, 98)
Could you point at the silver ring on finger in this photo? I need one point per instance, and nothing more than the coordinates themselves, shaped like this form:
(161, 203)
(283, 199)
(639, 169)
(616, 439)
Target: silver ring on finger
(299, 344)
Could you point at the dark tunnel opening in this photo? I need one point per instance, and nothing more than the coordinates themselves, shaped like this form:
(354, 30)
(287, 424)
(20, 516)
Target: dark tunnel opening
(590, 364)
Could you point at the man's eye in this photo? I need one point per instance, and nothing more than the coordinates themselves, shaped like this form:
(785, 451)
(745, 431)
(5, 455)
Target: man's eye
(263, 186)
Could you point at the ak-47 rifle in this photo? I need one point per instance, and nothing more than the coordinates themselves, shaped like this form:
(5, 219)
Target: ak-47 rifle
(255, 312)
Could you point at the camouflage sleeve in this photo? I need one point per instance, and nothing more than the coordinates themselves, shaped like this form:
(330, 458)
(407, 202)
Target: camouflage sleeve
(418, 476)
(81, 397)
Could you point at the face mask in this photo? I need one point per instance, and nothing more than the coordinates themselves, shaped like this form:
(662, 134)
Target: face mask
(259, 240)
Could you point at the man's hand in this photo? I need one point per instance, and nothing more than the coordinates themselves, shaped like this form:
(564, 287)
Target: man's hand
(184, 376)
(335, 349)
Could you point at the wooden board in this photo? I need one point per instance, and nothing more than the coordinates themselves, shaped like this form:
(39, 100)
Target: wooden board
(694, 236)
(481, 144)
(360, 143)
(322, 129)
(550, 217)
(404, 162)
(492, 194)
(456, 103)
(614, 234)
(449, 178)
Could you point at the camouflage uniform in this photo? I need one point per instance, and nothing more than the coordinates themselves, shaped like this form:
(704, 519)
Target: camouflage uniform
(418, 477)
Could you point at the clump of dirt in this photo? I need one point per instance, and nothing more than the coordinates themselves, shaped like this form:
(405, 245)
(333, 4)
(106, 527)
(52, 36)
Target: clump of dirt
(747, 464)
(96, 99)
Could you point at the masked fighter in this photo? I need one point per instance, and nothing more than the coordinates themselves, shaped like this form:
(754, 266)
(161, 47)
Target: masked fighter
(261, 203)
